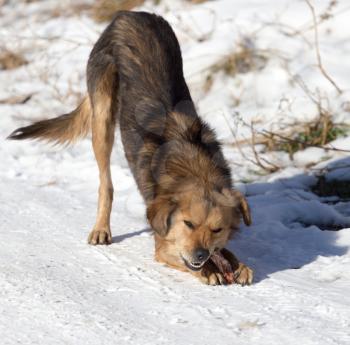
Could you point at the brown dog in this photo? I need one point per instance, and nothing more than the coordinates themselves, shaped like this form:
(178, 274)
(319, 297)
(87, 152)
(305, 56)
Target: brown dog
(135, 79)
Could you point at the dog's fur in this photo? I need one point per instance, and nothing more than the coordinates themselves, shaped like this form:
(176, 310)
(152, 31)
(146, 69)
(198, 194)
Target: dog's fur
(135, 79)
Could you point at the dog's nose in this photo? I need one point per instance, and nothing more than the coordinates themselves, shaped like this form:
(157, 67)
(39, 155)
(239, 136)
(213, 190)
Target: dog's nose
(201, 254)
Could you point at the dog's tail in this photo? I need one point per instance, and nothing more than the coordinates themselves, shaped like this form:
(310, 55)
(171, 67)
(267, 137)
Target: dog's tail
(64, 129)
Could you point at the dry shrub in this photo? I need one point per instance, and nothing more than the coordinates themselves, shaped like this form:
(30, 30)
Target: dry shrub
(11, 60)
(316, 133)
(197, 1)
(104, 10)
(245, 59)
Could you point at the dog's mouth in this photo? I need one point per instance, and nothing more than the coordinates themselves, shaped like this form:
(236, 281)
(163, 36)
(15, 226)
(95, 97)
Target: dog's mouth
(193, 266)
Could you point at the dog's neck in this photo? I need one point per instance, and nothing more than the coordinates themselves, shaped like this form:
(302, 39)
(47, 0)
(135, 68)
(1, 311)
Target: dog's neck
(192, 154)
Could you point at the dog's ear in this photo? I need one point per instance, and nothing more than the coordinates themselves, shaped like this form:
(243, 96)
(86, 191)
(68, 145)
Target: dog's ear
(238, 199)
(243, 207)
(159, 214)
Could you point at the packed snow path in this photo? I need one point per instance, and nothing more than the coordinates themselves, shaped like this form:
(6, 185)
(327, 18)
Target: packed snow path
(56, 289)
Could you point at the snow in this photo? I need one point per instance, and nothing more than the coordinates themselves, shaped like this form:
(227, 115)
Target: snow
(55, 289)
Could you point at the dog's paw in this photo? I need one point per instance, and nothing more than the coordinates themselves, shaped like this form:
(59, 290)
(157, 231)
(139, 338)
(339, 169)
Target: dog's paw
(243, 275)
(100, 236)
(214, 279)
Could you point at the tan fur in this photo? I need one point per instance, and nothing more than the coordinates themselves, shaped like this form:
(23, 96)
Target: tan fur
(180, 242)
(65, 129)
(103, 127)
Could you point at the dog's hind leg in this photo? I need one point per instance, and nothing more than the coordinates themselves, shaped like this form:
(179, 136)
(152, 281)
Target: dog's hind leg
(103, 128)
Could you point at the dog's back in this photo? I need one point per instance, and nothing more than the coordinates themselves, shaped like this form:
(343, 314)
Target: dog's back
(146, 53)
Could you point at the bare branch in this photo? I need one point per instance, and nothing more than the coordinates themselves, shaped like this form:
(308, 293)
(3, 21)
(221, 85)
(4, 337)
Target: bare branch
(317, 48)
(270, 167)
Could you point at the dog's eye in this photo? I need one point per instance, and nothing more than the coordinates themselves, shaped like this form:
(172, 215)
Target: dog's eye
(189, 224)
(216, 230)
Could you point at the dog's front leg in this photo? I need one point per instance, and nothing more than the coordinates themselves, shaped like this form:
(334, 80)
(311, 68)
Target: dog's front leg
(103, 128)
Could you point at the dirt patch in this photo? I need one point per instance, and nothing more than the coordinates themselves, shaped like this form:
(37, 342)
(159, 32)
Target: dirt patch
(11, 60)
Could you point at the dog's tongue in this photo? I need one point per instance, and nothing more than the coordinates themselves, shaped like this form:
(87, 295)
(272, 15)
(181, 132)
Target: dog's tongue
(223, 266)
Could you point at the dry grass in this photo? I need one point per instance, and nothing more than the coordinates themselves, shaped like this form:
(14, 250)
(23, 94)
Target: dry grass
(246, 58)
(104, 10)
(11, 60)
(16, 99)
(316, 133)
(197, 1)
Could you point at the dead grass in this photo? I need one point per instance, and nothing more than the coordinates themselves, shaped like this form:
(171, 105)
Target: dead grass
(104, 10)
(197, 1)
(316, 133)
(258, 148)
(16, 99)
(11, 60)
(246, 58)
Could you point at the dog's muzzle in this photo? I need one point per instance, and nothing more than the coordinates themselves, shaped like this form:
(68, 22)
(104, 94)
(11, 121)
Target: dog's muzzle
(199, 258)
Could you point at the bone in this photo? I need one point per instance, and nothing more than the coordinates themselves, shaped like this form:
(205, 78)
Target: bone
(223, 266)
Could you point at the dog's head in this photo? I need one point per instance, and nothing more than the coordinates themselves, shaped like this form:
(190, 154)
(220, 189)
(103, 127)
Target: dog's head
(195, 223)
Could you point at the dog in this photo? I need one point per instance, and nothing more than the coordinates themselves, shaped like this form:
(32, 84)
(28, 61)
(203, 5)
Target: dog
(135, 80)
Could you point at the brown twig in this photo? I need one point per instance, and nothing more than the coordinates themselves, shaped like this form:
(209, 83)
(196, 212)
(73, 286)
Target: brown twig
(237, 144)
(272, 167)
(17, 99)
(317, 48)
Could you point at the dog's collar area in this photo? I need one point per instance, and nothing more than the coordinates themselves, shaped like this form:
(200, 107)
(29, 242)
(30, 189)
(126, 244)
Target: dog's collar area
(193, 266)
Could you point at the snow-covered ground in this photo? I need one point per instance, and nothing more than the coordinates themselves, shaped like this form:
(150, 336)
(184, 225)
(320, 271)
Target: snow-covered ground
(55, 289)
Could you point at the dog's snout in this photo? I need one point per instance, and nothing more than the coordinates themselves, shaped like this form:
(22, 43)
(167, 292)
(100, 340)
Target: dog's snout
(201, 254)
